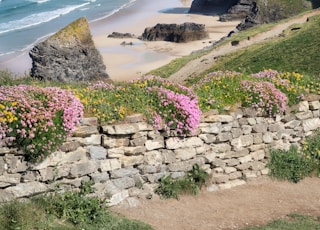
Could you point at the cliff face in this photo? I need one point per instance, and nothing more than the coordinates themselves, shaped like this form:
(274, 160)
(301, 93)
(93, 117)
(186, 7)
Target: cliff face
(69, 55)
(185, 32)
(252, 12)
(211, 6)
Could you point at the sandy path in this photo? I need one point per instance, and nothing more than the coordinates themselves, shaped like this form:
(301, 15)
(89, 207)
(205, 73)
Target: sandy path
(197, 66)
(256, 203)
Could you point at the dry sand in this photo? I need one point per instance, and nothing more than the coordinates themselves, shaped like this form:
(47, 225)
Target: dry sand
(129, 62)
(132, 61)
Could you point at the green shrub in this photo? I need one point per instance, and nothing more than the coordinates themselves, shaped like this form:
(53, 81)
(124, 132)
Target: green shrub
(289, 165)
(190, 184)
(311, 149)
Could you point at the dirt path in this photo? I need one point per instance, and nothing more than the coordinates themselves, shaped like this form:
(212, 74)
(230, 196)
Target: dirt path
(197, 66)
(255, 203)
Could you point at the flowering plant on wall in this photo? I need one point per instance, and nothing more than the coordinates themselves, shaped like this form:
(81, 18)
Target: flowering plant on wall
(263, 95)
(37, 119)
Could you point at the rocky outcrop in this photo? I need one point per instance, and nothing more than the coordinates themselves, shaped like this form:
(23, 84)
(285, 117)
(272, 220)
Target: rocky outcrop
(67, 56)
(185, 32)
(251, 12)
(120, 35)
(238, 11)
(212, 7)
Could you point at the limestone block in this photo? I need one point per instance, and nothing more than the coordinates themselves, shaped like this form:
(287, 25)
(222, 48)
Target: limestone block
(257, 166)
(226, 127)
(97, 152)
(15, 164)
(153, 158)
(207, 138)
(89, 121)
(94, 139)
(235, 175)
(109, 165)
(231, 184)
(146, 169)
(219, 178)
(185, 165)
(10, 179)
(130, 151)
(174, 143)
(232, 162)
(168, 156)
(60, 158)
(131, 160)
(30, 176)
(140, 141)
(260, 128)
(229, 170)
(246, 129)
(123, 172)
(311, 124)
(81, 169)
(186, 153)
(237, 154)
(267, 138)
(124, 182)
(144, 126)
(176, 175)
(99, 177)
(257, 138)
(257, 147)
(245, 159)
(157, 143)
(236, 132)
(114, 142)
(258, 155)
(85, 131)
(281, 145)
(221, 148)
(6, 196)
(304, 115)
(214, 128)
(115, 153)
(314, 105)
(3, 166)
(135, 118)
(243, 166)
(316, 113)
(243, 121)
(69, 146)
(120, 129)
(218, 163)
(242, 141)
(278, 127)
(218, 118)
(251, 121)
(303, 106)
(224, 137)
(118, 197)
(27, 189)
(4, 150)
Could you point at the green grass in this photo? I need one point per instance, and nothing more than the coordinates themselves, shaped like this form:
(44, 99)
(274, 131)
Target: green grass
(291, 222)
(64, 211)
(295, 51)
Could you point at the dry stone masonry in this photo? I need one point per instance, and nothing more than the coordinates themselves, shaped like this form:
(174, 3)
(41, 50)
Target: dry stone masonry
(127, 160)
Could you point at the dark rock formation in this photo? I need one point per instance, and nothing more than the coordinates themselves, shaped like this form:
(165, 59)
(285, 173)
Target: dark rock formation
(238, 11)
(212, 7)
(67, 56)
(251, 20)
(120, 35)
(185, 32)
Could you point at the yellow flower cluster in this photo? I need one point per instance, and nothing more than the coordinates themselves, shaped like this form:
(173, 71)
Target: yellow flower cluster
(7, 116)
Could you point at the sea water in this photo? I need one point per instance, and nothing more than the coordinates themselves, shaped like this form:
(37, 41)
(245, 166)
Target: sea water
(25, 22)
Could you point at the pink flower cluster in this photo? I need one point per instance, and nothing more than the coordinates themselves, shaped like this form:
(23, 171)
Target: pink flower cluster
(264, 95)
(101, 85)
(176, 111)
(44, 117)
(266, 74)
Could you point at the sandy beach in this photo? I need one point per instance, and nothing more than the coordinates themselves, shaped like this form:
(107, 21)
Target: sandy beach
(132, 61)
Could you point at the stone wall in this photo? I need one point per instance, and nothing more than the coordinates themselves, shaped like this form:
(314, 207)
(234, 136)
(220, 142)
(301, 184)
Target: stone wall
(126, 160)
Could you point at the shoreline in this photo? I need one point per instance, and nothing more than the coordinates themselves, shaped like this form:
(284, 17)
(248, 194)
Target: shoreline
(132, 61)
